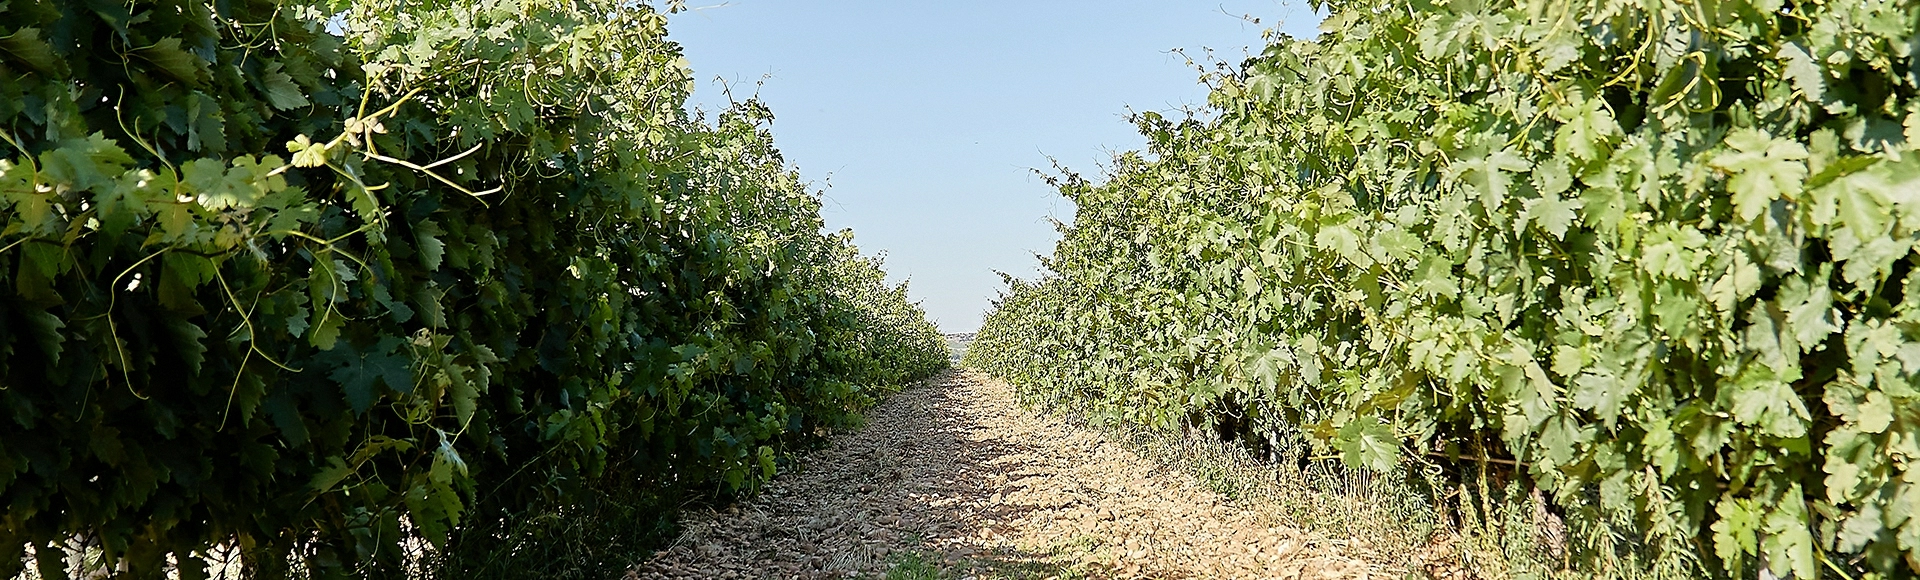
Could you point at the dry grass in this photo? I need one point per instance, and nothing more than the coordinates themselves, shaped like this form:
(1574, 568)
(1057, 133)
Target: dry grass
(1412, 522)
(1381, 518)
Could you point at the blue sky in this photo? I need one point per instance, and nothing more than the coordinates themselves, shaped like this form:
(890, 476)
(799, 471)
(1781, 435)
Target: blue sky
(922, 121)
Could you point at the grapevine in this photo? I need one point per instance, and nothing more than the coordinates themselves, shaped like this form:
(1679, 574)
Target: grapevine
(1658, 255)
(323, 283)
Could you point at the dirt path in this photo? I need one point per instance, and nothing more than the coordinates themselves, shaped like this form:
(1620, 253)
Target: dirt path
(952, 480)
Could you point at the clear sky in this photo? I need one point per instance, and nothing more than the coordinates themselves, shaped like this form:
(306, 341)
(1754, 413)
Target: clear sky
(922, 121)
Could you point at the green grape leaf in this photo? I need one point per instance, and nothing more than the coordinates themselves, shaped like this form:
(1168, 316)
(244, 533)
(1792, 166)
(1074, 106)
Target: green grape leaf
(1397, 244)
(465, 394)
(1809, 307)
(206, 126)
(1341, 240)
(1845, 465)
(280, 89)
(1910, 127)
(1808, 76)
(357, 372)
(1762, 170)
(92, 164)
(1861, 529)
(45, 328)
(1658, 446)
(34, 281)
(335, 471)
(1875, 414)
(1839, 168)
(1370, 443)
(432, 250)
(1861, 201)
(1588, 131)
(1552, 214)
(26, 47)
(1789, 541)
(1736, 532)
(188, 338)
(1769, 336)
(1602, 393)
(285, 414)
(1560, 438)
(167, 56)
(290, 211)
(1435, 277)
(1763, 400)
(1739, 283)
(1491, 174)
(435, 508)
(1557, 51)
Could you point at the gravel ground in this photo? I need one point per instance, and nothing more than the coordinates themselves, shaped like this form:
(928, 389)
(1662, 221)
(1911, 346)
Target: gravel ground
(950, 479)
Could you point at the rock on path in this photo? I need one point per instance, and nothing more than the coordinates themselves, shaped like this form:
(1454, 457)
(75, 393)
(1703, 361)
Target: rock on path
(952, 479)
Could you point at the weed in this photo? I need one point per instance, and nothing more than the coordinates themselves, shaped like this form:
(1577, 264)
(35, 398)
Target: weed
(912, 565)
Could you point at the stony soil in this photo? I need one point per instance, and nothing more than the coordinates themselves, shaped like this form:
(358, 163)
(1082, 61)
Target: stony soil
(952, 479)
